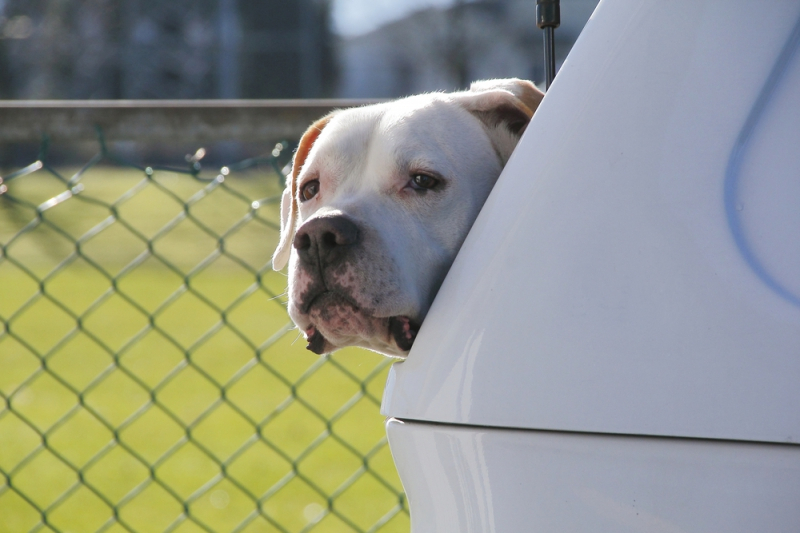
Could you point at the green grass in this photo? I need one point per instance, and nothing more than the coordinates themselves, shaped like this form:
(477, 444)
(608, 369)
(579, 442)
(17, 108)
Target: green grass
(150, 377)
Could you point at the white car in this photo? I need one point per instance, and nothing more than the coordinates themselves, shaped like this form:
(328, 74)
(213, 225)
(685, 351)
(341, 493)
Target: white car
(617, 346)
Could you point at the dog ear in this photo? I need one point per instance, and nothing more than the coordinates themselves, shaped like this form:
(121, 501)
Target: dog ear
(289, 198)
(509, 102)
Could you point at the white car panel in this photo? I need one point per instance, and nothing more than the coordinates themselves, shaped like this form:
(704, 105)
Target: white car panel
(637, 267)
(471, 480)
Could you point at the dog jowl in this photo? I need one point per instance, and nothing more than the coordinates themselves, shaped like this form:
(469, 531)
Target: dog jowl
(377, 205)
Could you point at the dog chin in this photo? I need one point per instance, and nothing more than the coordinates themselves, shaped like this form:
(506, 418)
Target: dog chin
(334, 321)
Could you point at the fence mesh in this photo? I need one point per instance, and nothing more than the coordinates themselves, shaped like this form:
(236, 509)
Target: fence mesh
(150, 377)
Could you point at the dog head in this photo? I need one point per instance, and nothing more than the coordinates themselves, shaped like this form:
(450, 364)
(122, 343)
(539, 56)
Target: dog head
(378, 203)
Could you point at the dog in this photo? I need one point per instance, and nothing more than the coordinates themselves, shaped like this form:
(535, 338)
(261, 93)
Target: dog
(378, 202)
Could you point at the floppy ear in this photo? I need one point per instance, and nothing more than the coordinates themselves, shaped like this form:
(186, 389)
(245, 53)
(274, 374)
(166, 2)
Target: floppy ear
(505, 104)
(289, 198)
(524, 90)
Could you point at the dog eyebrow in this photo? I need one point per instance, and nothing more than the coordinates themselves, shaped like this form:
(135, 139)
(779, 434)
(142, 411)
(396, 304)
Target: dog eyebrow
(421, 163)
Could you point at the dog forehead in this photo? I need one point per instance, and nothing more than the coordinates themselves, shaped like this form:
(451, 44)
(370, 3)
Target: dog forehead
(427, 120)
(401, 126)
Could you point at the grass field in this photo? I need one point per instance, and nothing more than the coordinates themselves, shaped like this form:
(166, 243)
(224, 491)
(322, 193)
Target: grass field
(150, 377)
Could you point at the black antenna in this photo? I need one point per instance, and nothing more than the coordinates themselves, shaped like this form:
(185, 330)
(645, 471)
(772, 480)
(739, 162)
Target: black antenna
(548, 18)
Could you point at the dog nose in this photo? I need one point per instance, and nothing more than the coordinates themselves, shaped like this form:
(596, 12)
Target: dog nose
(325, 240)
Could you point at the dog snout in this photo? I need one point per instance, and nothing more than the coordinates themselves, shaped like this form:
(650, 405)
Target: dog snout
(325, 240)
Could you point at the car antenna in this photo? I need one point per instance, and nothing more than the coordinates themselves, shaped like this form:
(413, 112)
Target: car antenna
(548, 18)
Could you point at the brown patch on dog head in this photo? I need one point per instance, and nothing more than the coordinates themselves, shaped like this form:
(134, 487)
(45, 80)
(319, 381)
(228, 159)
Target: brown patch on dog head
(514, 118)
(510, 103)
(525, 91)
(289, 199)
(505, 107)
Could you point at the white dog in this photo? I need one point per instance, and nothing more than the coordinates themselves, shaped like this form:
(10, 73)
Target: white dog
(377, 205)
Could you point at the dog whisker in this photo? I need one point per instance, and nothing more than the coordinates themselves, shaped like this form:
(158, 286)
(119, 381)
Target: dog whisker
(299, 334)
(284, 294)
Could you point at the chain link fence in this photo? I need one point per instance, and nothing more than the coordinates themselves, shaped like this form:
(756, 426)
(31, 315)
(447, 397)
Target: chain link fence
(150, 379)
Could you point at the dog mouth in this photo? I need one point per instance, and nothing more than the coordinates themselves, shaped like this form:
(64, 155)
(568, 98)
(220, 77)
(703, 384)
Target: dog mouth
(336, 320)
(316, 341)
(403, 330)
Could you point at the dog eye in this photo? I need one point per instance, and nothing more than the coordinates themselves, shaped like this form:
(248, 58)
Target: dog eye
(309, 190)
(423, 182)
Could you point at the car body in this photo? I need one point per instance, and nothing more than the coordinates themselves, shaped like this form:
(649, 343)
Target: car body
(617, 345)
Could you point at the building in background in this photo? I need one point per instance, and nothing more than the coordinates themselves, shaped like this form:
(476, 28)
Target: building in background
(444, 49)
(134, 49)
(157, 49)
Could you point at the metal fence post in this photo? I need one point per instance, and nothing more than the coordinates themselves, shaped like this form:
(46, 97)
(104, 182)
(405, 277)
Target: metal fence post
(548, 18)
